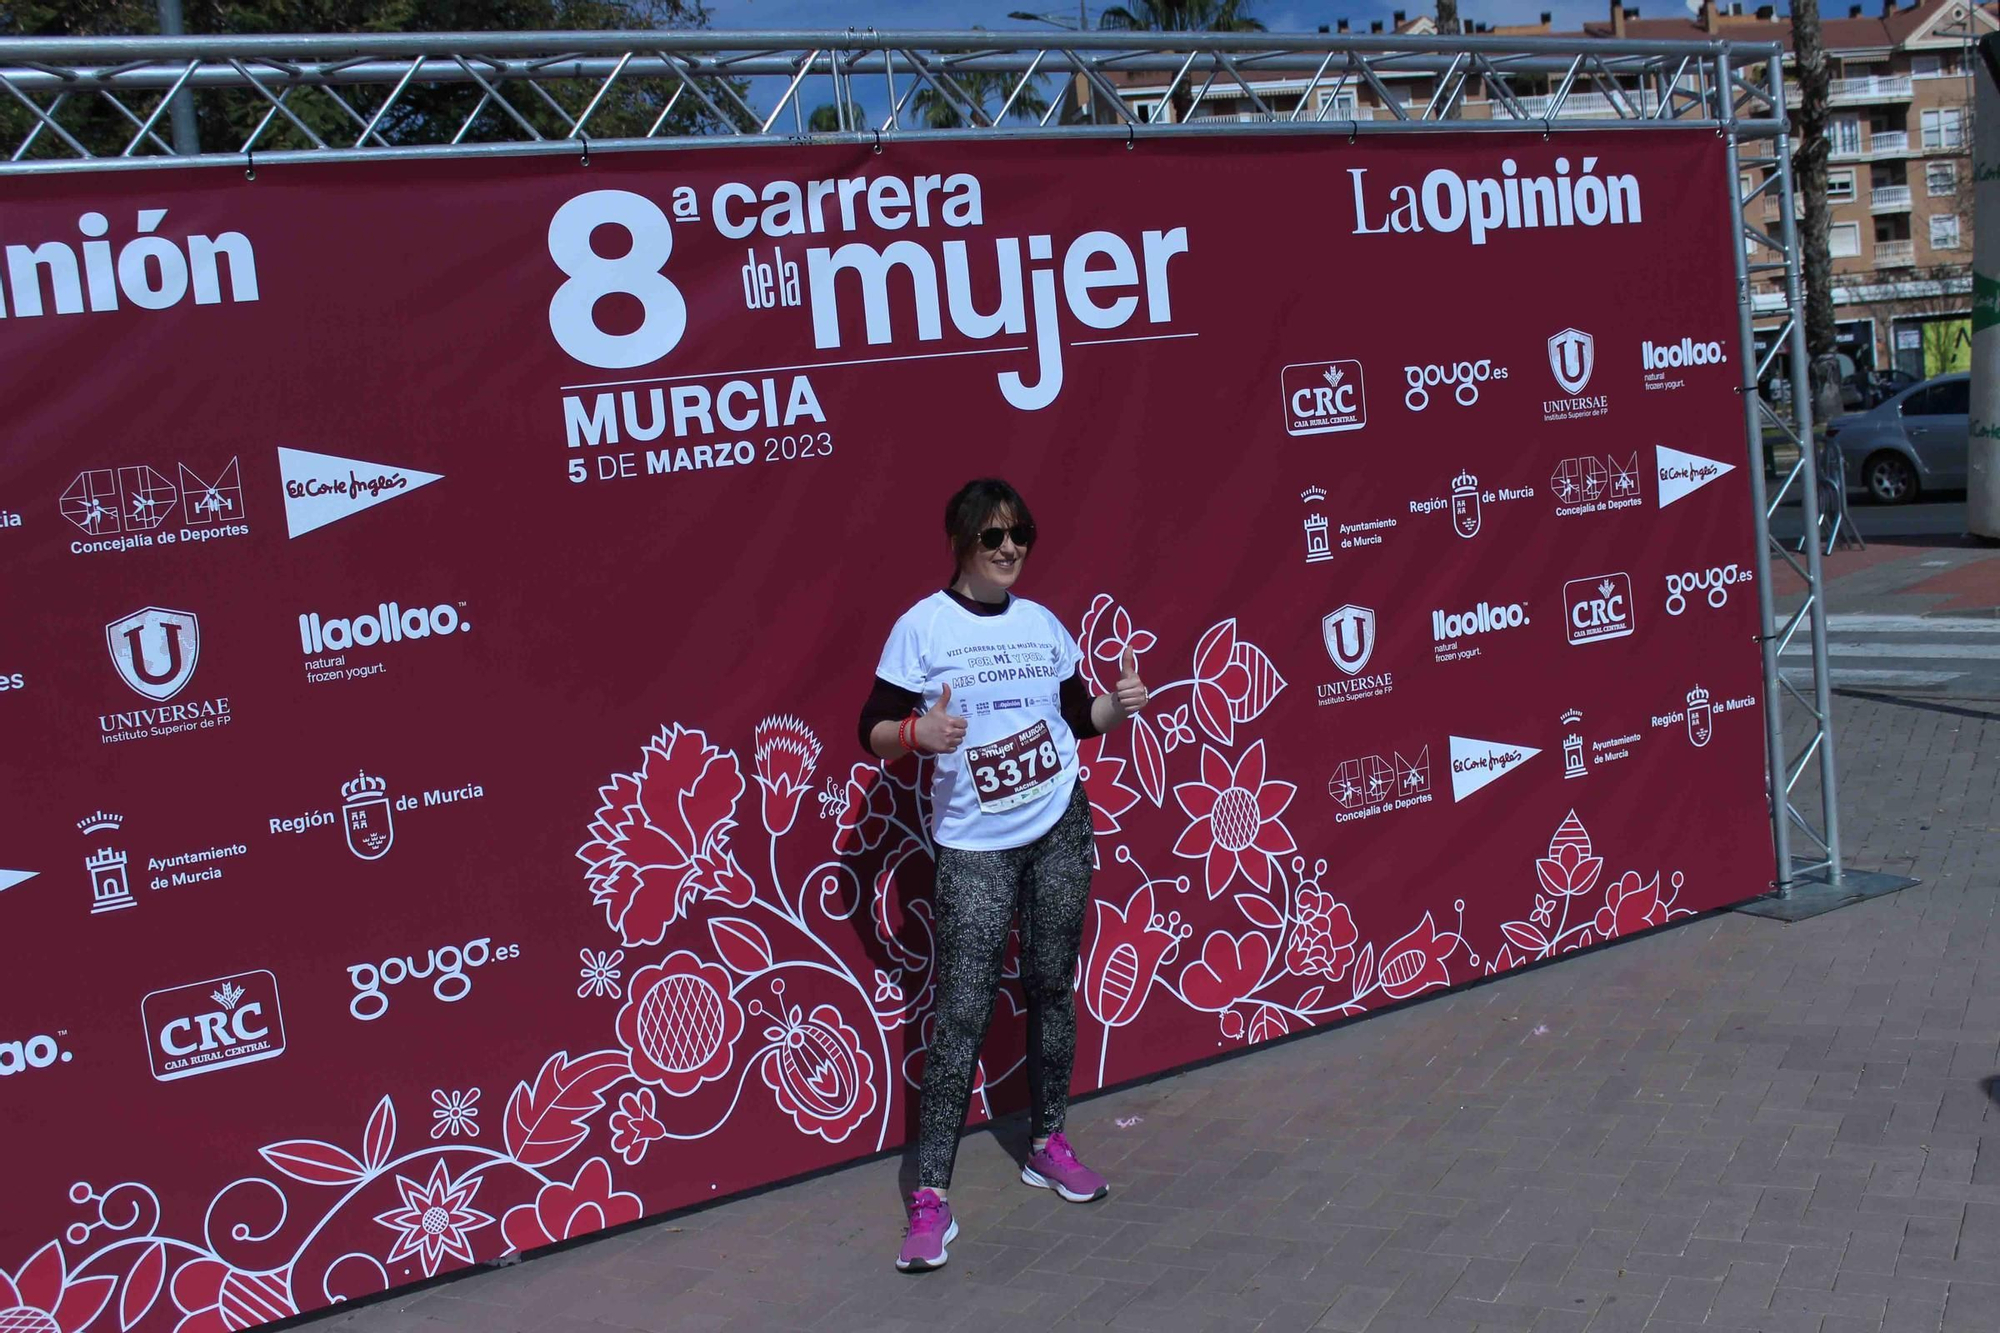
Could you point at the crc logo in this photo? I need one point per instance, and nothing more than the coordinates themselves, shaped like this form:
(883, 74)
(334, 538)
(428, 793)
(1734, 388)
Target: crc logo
(1572, 356)
(1322, 397)
(103, 501)
(635, 272)
(209, 1025)
(37, 1052)
(154, 650)
(1349, 635)
(1464, 376)
(445, 968)
(1676, 356)
(1700, 720)
(1716, 580)
(1599, 607)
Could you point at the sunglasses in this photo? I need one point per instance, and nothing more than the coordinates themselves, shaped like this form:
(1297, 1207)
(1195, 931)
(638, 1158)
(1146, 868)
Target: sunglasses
(1022, 533)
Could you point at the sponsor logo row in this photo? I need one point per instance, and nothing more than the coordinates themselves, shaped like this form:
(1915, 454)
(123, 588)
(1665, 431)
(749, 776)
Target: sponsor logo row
(1329, 397)
(205, 1026)
(1580, 486)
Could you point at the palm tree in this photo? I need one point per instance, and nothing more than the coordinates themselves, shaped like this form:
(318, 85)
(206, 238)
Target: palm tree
(1180, 16)
(985, 90)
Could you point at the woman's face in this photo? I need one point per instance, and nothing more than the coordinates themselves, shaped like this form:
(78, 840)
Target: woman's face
(998, 567)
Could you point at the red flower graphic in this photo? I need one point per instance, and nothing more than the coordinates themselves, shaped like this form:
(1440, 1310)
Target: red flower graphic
(1416, 962)
(1103, 783)
(680, 1023)
(1230, 968)
(1569, 869)
(1235, 817)
(1323, 943)
(785, 751)
(863, 811)
(634, 1125)
(561, 1211)
(1631, 904)
(436, 1219)
(221, 1299)
(1222, 681)
(42, 1297)
(1125, 954)
(822, 1077)
(661, 836)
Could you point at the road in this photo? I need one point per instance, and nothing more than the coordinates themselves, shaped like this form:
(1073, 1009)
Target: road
(1940, 518)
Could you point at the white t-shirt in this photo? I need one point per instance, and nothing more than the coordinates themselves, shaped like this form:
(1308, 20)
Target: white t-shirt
(1010, 781)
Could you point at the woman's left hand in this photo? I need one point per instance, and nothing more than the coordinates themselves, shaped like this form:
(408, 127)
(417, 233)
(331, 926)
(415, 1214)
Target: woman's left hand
(1130, 692)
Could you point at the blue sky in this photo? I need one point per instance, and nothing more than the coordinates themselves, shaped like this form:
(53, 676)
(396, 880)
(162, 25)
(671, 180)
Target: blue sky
(1278, 15)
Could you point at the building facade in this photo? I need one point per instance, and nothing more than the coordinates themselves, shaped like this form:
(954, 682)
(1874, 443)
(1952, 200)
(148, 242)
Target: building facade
(1899, 173)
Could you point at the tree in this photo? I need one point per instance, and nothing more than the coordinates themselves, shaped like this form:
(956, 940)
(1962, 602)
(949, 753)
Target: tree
(825, 118)
(225, 119)
(1180, 16)
(987, 91)
(1809, 176)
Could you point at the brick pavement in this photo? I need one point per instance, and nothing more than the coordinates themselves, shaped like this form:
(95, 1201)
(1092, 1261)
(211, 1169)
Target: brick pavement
(1733, 1124)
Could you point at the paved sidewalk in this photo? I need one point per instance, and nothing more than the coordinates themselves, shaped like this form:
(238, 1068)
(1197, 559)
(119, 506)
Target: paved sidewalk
(1736, 1124)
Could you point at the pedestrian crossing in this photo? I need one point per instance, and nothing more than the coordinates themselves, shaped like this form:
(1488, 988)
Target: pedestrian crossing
(1892, 651)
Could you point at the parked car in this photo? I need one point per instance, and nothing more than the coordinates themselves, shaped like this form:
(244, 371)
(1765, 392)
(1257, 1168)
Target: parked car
(1913, 441)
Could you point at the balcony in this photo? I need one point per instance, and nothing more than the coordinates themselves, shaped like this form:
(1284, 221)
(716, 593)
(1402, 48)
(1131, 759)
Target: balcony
(1870, 147)
(1859, 92)
(1595, 106)
(1895, 254)
(1889, 199)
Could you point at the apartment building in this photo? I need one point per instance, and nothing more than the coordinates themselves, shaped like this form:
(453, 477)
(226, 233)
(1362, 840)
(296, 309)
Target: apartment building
(1900, 170)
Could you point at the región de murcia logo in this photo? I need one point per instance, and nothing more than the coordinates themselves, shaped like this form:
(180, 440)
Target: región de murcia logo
(368, 812)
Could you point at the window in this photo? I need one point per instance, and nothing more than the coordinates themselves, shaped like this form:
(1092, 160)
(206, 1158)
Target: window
(1944, 127)
(1944, 231)
(1941, 178)
(1839, 187)
(1953, 398)
(1843, 240)
(1926, 67)
(1847, 136)
(1146, 111)
(1330, 106)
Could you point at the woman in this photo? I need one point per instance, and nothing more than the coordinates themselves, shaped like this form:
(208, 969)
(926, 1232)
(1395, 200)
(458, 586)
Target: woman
(991, 686)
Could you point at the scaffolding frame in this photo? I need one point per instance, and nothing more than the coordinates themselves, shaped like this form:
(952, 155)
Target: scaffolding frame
(541, 92)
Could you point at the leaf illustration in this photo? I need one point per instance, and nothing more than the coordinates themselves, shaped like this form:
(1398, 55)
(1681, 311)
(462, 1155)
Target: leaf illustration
(1147, 760)
(1212, 711)
(1526, 935)
(314, 1162)
(1310, 998)
(1212, 653)
(547, 1121)
(1258, 908)
(1265, 682)
(742, 944)
(379, 1142)
(1364, 970)
(142, 1285)
(1268, 1022)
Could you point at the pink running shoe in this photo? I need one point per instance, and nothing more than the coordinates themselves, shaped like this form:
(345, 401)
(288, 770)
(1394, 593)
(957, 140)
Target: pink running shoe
(1055, 1167)
(931, 1229)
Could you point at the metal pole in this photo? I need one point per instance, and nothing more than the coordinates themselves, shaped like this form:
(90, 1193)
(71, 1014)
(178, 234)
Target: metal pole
(1753, 425)
(1809, 504)
(186, 142)
(1983, 487)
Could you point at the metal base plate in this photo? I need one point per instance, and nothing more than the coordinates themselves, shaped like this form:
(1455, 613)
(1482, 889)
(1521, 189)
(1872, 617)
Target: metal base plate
(1813, 893)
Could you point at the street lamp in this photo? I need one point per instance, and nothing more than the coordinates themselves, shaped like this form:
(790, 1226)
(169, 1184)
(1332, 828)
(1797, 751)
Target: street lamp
(1079, 86)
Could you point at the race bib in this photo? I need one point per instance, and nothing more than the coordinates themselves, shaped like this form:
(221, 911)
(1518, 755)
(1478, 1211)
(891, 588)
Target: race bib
(1014, 770)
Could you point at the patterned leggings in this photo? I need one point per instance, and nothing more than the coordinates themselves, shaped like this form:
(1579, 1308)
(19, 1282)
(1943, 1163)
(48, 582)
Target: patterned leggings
(976, 896)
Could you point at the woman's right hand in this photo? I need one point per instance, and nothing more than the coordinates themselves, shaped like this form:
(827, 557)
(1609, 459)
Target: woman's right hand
(938, 731)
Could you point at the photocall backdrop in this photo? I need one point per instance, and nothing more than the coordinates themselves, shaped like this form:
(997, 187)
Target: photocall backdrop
(439, 597)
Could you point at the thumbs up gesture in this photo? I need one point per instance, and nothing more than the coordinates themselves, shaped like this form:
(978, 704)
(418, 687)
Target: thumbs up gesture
(938, 730)
(1130, 692)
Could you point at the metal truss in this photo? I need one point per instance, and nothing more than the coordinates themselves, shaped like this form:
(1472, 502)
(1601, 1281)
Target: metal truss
(96, 103)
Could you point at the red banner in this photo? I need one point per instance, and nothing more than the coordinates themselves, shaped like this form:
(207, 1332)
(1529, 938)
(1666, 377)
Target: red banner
(440, 596)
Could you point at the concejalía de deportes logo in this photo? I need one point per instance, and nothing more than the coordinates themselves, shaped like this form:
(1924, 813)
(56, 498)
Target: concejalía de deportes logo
(909, 280)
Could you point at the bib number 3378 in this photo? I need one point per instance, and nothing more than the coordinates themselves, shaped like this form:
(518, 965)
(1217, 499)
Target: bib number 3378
(1015, 770)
